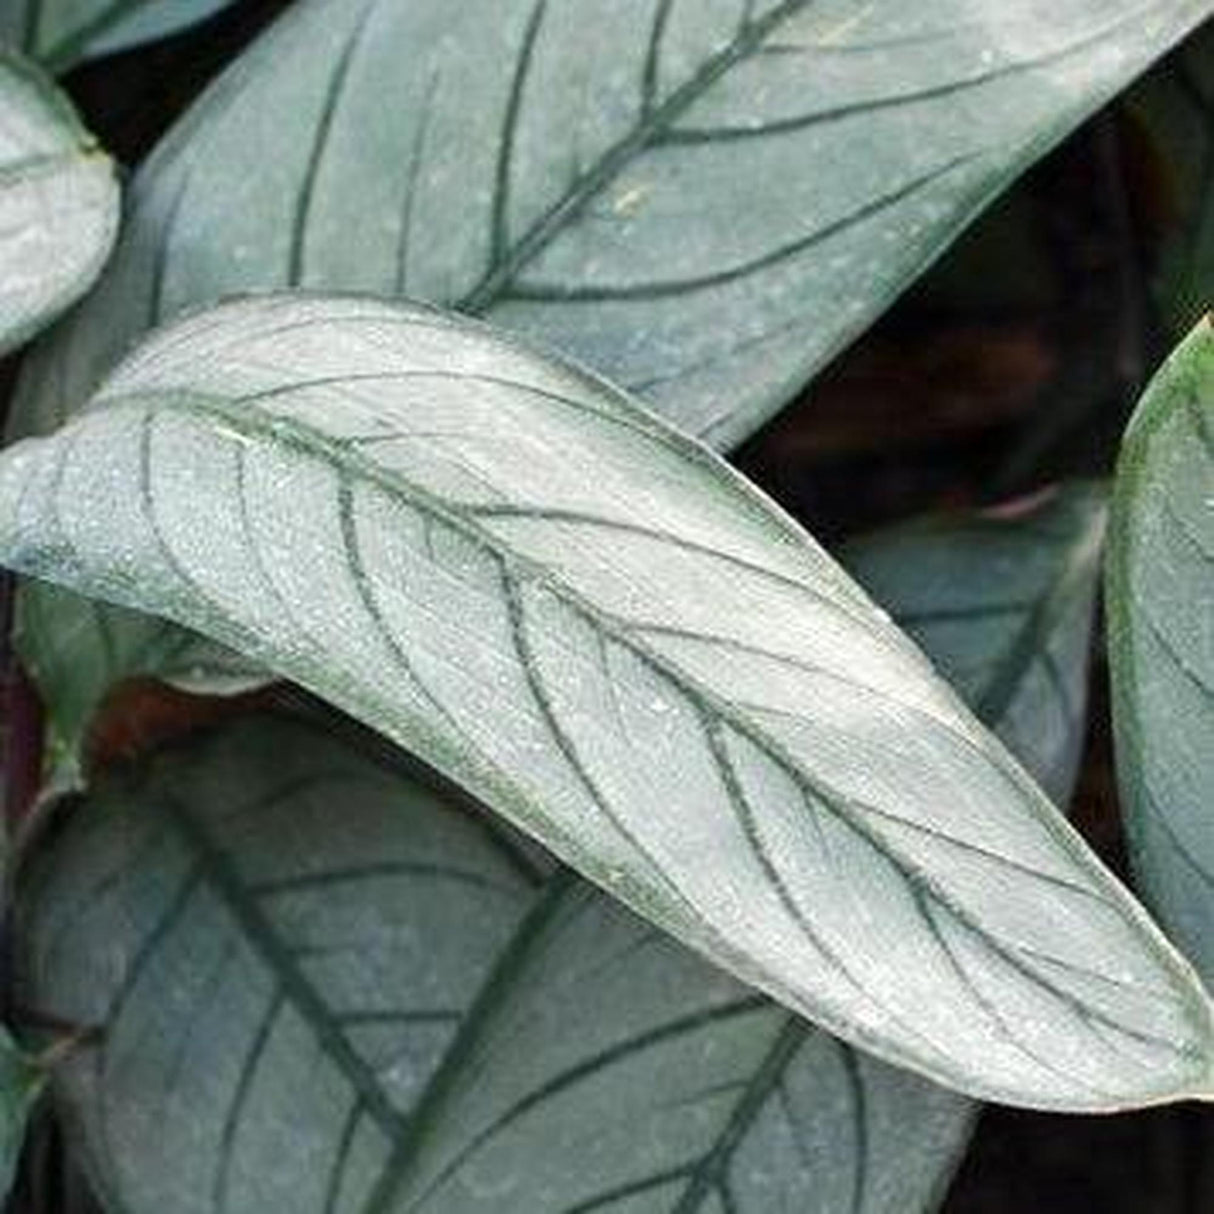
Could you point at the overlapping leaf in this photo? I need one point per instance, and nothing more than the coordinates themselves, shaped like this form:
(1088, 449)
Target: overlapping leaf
(1161, 651)
(58, 203)
(59, 33)
(281, 939)
(704, 208)
(602, 632)
(594, 1001)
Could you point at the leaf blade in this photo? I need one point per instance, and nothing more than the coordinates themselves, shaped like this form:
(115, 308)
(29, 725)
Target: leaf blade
(60, 35)
(1158, 577)
(591, 174)
(58, 203)
(615, 1061)
(572, 190)
(460, 486)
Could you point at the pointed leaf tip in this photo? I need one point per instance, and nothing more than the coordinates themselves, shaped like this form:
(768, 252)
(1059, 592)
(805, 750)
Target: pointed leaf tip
(603, 632)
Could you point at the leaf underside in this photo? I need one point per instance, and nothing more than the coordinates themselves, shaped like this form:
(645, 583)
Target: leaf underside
(479, 573)
(1161, 651)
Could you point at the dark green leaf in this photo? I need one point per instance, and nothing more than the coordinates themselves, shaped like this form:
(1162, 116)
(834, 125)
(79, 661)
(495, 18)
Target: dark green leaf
(58, 203)
(601, 631)
(59, 33)
(1161, 641)
(1175, 107)
(77, 650)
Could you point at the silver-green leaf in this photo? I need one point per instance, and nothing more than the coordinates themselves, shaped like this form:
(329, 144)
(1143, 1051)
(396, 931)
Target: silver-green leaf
(604, 633)
(705, 208)
(1161, 641)
(280, 938)
(60, 33)
(784, 1116)
(58, 203)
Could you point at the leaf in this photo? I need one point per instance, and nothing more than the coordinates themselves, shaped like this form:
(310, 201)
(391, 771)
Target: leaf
(1002, 603)
(271, 974)
(21, 1082)
(60, 33)
(809, 1121)
(607, 202)
(553, 1094)
(580, 615)
(1161, 646)
(58, 203)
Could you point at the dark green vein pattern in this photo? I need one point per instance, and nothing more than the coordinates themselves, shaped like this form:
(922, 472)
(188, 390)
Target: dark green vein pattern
(1160, 590)
(581, 616)
(60, 33)
(281, 938)
(58, 203)
(706, 208)
(605, 1062)
(700, 218)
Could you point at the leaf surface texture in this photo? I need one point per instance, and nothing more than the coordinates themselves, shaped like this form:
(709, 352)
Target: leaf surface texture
(601, 631)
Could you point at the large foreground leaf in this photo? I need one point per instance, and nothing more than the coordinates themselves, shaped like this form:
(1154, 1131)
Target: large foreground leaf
(58, 203)
(1161, 651)
(800, 1120)
(792, 1120)
(59, 33)
(606, 635)
(705, 208)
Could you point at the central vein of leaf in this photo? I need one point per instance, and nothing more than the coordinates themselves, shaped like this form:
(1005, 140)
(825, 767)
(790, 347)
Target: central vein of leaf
(653, 122)
(349, 463)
